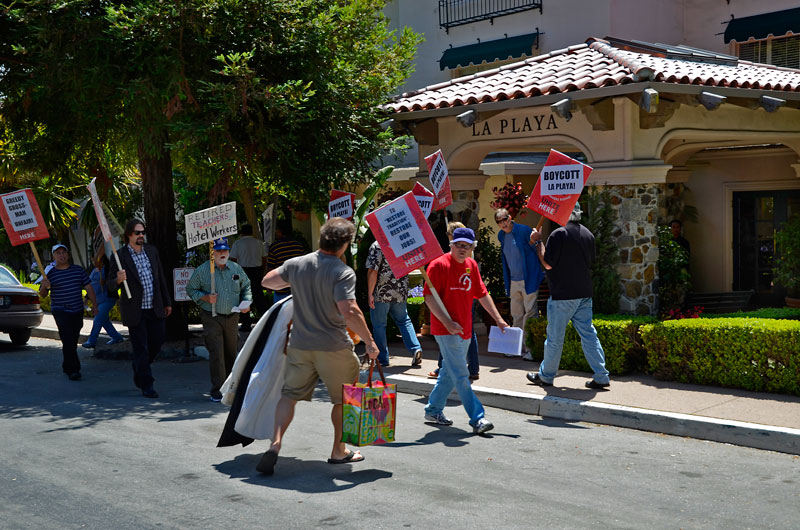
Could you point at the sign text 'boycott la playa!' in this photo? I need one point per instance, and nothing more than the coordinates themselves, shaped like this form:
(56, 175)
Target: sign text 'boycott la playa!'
(558, 188)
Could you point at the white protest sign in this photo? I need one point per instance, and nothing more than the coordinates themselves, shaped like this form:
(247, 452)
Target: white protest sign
(437, 170)
(98, 211)
(19, 210)
(268, 223)
(180, 279)
(562, 180)
(210, 224)
(399, 226)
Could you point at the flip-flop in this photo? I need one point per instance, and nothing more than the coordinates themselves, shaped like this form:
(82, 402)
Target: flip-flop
(349, 459)
(267, 463)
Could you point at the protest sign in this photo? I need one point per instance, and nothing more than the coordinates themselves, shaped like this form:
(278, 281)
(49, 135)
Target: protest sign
(404, 235)
(341, 204)
(104, 228)
(424, 199)
(23, 221)
(268, 222)
(212, 223)
(22, 218)
(440, 180)
(559, 186)
(180, 279)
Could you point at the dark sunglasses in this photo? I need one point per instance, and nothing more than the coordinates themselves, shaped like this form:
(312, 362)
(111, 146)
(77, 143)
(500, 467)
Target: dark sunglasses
(139, 232)
(503, 220)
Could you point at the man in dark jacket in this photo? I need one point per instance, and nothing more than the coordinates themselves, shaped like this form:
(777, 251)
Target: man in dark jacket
(568, 258)
(144, 312)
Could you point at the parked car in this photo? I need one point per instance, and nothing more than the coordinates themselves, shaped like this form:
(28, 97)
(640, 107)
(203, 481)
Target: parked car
(19, 308)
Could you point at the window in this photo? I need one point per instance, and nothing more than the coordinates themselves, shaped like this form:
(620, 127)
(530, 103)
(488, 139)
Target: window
(781, 51)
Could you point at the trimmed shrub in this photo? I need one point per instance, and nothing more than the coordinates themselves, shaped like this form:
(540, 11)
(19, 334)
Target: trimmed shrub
(618, 334)
(778, 313)
(413, 306)
(747, 353)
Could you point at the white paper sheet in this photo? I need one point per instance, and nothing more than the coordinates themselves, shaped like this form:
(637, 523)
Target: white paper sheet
(508, 343)
(244, 305)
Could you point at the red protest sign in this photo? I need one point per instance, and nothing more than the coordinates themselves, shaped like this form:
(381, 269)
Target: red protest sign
(559, 186)
(404, 235)
(424, 198)
(341, 204)
(22, 218)
(440, 180)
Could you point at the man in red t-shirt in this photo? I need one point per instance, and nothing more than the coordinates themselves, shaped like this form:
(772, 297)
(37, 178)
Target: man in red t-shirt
(456, 278)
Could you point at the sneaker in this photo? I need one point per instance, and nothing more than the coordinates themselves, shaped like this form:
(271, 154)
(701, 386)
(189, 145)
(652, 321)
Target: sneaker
(439, 419)
(527, 356)
(216, 395)
(416, 359)
(111, 342)
(88, 345)
(482, 426)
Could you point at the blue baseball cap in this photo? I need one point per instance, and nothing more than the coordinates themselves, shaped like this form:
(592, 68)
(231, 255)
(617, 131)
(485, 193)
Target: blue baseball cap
(463, 234)
(221, 244)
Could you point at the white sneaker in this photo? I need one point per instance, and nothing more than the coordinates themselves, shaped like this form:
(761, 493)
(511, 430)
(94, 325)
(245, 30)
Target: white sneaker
(438, 418)
(482, 426)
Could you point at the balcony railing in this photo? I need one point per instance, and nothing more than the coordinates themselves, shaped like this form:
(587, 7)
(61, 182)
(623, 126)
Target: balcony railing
(459, 12)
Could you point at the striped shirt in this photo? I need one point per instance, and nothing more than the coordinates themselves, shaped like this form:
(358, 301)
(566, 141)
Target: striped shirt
(145, 271)
(232, 286)
(280, 251)
(66, 288)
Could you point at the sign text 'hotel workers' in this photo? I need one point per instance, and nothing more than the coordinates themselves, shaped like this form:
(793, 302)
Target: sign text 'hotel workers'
(559, 186)
(212, 223)
(404, 235)
(440, 180)
(22, 218)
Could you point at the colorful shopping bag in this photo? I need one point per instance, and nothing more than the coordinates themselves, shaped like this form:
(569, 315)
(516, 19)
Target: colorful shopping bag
(369, 411)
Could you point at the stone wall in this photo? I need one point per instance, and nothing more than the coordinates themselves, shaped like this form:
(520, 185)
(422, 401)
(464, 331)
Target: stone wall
(638, 208)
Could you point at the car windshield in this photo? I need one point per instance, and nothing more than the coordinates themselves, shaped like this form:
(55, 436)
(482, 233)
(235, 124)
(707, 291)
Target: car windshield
(6, 278)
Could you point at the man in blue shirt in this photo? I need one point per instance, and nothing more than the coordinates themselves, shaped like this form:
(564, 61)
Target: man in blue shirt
(66, 282)
(522, 272)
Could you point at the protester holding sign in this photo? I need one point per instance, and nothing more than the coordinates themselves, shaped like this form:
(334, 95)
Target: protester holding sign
(149, 304)
(66, 282)
(568, 258)
(456, 278)
(220, 333)
(522, 272)
(324, 306)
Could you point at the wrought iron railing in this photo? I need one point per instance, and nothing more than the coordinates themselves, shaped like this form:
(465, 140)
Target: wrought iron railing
(458, 12)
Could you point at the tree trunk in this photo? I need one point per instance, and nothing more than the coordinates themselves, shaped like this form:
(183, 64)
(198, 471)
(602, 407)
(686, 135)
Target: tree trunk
(159, 217)
(248, 201)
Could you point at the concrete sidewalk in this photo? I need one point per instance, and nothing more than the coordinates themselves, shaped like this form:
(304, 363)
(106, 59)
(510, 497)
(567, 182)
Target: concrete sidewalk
(751, 419)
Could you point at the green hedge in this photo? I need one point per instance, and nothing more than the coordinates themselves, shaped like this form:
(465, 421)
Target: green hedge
(619, 335)
(415, 313)
(780, 313)
(747, 353)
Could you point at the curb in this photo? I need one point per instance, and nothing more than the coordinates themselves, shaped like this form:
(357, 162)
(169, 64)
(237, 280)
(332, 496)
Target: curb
(780, 439)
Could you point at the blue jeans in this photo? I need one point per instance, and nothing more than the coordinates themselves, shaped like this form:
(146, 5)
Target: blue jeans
(473, 365)
(399, 313)
(277, 297)
(454, 374)
(101, 320)
(559, 313)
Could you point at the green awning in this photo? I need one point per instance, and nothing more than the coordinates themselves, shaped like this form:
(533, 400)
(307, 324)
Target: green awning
(777, 23)
(489, 51)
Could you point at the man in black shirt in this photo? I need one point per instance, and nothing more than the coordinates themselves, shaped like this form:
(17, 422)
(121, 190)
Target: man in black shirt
(567, 259)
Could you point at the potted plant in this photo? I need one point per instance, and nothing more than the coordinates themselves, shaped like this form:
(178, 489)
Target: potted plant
(511, 197)
(787, 266)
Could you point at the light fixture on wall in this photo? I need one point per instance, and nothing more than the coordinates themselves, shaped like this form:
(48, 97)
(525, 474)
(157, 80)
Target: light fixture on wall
(710, 101)
(771, 104)
(563, 108)
(649, 101)
(467, 118)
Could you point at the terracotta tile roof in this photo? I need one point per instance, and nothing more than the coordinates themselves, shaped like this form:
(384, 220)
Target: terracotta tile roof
(592, 65)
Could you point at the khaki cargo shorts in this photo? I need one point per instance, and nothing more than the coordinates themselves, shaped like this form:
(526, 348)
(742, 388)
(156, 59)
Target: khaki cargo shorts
(304, 367)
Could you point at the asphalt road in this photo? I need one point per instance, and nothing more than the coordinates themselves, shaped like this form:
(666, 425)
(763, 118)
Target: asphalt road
(95, 454)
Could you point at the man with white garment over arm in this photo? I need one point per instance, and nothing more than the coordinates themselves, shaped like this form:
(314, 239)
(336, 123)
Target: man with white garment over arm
(324, 306)
(456, 278)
